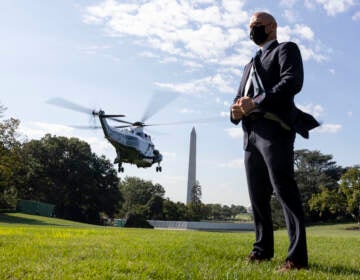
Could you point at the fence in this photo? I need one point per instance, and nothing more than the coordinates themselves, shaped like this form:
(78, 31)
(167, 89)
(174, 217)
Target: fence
(35, 208)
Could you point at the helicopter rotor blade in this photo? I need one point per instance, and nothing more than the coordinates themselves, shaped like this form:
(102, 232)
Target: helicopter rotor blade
(122, 126)
(207, 120)
(157, 102)
(121, 121)
(112, 116)
(57, 101)
(85, 127)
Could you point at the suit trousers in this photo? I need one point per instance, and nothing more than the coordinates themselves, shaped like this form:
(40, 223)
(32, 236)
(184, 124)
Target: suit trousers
(269, 164)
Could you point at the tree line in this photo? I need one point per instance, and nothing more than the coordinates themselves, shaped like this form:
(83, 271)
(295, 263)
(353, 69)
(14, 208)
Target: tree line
(85, 187)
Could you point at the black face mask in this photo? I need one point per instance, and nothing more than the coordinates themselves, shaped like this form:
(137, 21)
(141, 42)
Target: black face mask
(258, 35)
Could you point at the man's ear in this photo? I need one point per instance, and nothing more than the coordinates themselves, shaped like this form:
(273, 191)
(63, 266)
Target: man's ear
(273, 26)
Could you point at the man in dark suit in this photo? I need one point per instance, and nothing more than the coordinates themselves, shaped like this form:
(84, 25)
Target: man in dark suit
(265, 105)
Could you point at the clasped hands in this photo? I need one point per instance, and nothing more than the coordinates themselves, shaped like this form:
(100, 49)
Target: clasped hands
(242, 107)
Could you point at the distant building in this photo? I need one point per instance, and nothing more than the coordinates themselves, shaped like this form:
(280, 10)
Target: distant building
(192, 165)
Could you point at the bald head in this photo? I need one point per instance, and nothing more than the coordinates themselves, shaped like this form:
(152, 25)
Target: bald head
(263, 17)
(260, 19)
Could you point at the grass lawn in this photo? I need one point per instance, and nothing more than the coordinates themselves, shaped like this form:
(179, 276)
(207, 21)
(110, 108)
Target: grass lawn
(33, 247)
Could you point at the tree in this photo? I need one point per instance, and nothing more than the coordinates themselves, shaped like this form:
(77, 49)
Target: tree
(237, 209)
(215, 211)
(226, 212)
(195, 206)
(172, 211)
(10, 162)
(341, 202)
(329, 204)
(63, 171)
(141, 197)
(196, 193)
(2, 110)
(313, 170)
(350, 188)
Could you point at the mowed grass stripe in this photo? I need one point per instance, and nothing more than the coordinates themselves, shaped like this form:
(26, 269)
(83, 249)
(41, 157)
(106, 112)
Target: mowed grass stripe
(77, 252)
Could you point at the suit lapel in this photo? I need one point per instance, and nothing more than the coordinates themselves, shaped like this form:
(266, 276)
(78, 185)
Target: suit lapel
(247, 69)
(245, 77)
(269, 49)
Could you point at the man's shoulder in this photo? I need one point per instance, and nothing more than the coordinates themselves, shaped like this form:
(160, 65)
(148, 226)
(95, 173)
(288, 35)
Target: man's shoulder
(287, 45)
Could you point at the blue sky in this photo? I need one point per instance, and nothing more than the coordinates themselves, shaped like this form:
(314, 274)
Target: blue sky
(115, 54)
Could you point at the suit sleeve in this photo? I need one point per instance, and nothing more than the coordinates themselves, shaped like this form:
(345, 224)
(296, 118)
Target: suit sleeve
(291, 75)
(238, 95)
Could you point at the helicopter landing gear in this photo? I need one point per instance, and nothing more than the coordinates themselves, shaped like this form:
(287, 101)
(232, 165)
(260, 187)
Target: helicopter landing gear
(120, 168)
(158, 168)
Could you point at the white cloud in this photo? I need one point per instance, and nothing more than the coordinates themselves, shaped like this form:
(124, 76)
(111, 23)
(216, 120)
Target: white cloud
(328, 128)
(231, 70)
(304, 32)
(191, 88)
(304, 36)
(196, 34)
(315, 110)
(235, 163)
(148, 54)
(204, 85)
(333, 7)
(200, 32)
(234, 132)
(356, 16)
(204, 1)
(170, 59)
(192, 64)
(37, 130)
(176, 27)
(225, 114)
(308, 53)
(288, 3)
(186, 111)
(290, 15)
(98, 145)
(309, 4)
(332, 71)
(93, 49)
(284, 33)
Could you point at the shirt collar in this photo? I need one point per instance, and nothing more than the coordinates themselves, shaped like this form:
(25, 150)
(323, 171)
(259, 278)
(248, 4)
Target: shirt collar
(267, 45)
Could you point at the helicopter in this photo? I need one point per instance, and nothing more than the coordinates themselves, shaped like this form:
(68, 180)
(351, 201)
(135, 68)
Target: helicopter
(132, 144)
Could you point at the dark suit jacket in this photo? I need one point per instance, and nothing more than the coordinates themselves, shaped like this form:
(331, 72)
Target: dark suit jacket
(282, 75)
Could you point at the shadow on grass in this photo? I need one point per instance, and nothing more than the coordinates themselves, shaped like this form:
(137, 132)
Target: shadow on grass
(9, 219)
(335, 269)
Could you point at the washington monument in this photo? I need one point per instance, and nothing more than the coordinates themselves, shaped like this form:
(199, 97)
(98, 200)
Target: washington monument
(192, 165)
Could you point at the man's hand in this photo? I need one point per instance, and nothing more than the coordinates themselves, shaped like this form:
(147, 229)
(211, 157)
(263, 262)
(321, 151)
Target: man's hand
(246, 104)
(236, 112)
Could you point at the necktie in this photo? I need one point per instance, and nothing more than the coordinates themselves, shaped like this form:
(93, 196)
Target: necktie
(256, 59)
(258, 54)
